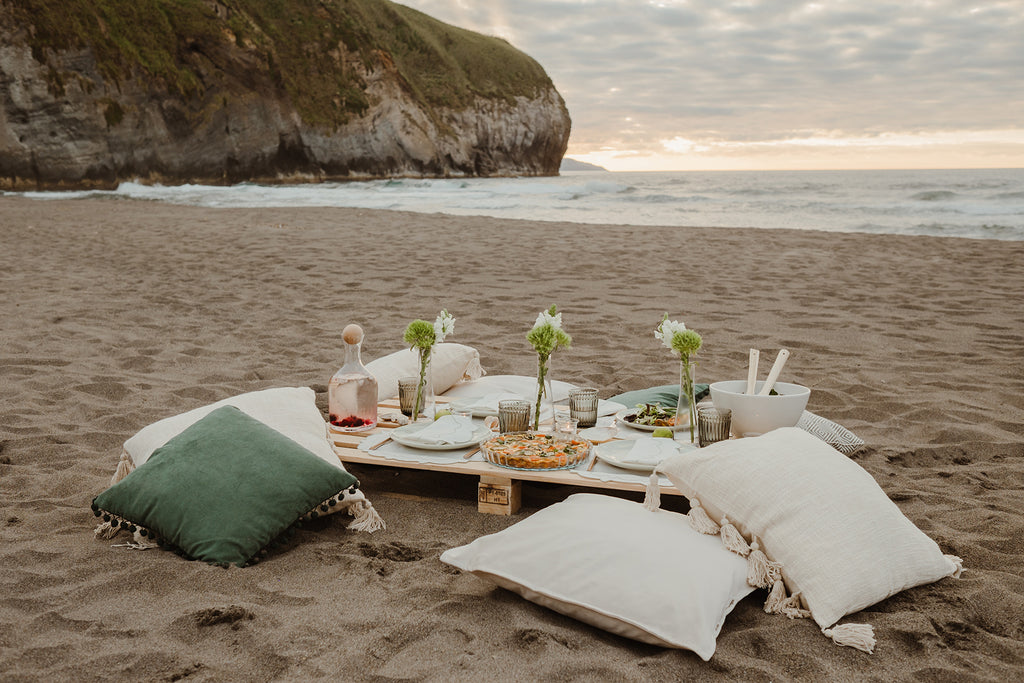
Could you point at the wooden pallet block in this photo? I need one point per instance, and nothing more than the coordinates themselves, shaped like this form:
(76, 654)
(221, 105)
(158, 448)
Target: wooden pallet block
(499, 495)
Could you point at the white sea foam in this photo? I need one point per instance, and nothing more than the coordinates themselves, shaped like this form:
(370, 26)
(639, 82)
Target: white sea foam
(986, 204)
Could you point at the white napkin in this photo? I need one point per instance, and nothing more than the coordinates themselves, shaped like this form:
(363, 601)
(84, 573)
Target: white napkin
(447, 429)
(608, 407)
(487, 402)
(650, 451)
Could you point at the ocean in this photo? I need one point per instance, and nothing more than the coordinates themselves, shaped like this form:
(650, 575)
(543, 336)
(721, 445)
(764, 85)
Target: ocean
(985, 204)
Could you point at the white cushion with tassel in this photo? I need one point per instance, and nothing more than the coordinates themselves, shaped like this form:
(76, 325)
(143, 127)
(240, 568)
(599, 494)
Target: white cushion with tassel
(842, 544)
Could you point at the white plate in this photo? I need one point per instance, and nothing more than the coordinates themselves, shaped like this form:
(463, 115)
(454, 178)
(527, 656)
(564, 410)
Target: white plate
(598, 434)
(620, 417)
(615, 452)
(401, 434)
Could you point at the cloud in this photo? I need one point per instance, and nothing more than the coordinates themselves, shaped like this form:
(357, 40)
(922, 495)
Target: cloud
(634, 74)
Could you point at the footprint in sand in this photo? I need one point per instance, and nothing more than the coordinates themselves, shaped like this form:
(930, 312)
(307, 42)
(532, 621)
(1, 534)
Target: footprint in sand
(395, 551)
(212, 616)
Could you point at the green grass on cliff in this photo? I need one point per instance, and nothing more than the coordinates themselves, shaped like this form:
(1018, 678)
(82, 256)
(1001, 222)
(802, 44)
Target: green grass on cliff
(292, 45)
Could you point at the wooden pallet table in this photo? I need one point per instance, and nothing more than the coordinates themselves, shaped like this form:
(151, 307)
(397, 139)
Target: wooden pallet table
(499, 490)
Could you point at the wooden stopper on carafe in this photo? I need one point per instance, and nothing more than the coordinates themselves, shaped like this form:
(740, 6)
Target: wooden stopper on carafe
(352, 334)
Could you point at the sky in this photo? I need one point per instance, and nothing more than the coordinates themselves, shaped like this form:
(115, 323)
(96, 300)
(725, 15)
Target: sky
(774, 84)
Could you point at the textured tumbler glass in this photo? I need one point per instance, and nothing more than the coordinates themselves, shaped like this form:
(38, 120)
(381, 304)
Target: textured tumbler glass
(713, 425)
(583, 406)
(407, 393)
(513, 415)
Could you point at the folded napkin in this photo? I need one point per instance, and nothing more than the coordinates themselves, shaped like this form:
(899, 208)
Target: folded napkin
(447, 429)
(650, 451)
(487, 402)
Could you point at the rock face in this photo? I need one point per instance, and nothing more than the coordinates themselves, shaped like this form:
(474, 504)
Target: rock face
(224, 92)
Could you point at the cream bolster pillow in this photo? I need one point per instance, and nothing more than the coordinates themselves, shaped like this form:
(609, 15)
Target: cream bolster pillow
(842, 543)
(291, 411)
(522, 385)
(615, 565)
(449, 364)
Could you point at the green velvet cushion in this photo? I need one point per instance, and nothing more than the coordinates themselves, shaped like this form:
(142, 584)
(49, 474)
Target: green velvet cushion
(667, 395)
(223, 489)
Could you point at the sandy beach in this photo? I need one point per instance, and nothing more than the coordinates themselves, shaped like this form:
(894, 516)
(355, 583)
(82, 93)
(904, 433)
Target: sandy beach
(115, 314)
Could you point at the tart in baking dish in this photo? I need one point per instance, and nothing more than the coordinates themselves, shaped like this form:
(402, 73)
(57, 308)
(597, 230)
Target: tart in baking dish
(535, 451)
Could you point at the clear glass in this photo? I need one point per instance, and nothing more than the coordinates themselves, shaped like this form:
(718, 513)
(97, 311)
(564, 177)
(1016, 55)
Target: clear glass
(583, 406)
(713, 425)
(424, 402)
(513, 415)
(352, 395)
(686, 407)
(544, 408)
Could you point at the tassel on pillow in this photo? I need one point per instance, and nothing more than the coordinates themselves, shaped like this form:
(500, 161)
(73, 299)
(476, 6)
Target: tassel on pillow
(125, 466)
(366, 517)
(732, 539)
(858, 636)
(958, 563)
(776, 598)
(699, 519)
(761, 572)
(792, 609)
(652, 496)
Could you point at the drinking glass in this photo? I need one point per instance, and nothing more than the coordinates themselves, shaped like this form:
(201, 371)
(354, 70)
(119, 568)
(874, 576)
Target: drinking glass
(407, 393)
(513, 415)
(583, 406)
(713, 424)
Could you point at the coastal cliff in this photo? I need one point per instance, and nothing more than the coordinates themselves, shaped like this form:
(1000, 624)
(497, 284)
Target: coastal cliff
(94, 92)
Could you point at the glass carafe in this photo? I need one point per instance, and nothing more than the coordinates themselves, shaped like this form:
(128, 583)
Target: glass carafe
(352, 392)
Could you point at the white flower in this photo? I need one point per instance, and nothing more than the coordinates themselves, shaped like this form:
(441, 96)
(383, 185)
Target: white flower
(443, 326)
(667, 330)
(545, 318)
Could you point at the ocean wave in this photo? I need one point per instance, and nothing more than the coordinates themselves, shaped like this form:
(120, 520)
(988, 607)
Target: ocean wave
(934, 196)
(607, 187)
(894, 202)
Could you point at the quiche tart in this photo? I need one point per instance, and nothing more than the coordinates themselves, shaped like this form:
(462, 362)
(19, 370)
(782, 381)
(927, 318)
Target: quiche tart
(535, 451)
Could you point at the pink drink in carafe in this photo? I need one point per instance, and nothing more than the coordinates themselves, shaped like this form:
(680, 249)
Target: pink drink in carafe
(352, 392)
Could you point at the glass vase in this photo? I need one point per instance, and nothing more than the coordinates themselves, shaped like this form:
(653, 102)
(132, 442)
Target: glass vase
(423, 404)
(686, 406)
(544, 408)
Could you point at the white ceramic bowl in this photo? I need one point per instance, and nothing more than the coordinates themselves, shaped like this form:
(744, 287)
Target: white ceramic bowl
(753, 414)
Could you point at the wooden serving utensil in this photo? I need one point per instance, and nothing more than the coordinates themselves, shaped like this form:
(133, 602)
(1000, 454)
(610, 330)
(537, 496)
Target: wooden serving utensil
(752, 370)
(378, 445)
(773, 375)
(471, 453)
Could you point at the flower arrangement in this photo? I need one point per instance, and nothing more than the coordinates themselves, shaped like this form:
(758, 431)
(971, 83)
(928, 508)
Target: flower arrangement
(421, 337)
(674, 335)
(546, 336)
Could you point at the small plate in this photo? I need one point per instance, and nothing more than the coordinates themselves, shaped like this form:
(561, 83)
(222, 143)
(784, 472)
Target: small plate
(401, 435)
(615, 452)
(598, 434)
(621, 416)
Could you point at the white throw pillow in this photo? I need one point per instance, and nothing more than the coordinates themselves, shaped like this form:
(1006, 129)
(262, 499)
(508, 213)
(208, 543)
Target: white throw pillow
(449, 364)
(614, 564)
(291, 411)
(522, 385)
(843, 545)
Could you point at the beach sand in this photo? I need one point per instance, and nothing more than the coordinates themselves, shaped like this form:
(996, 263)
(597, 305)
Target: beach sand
(115, 314)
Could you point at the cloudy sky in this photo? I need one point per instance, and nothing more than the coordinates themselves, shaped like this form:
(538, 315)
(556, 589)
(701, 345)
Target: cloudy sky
(755, 84)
